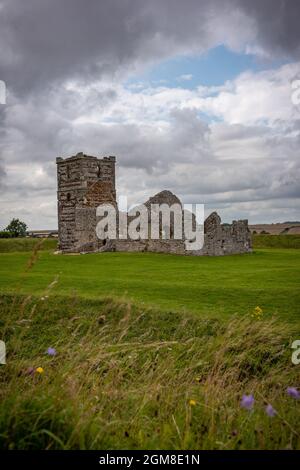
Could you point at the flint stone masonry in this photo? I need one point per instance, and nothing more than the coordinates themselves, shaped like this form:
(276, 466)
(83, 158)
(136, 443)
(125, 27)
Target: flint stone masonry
(226, 239)
(84, 182)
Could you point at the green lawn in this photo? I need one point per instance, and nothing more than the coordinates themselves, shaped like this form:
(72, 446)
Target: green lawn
(214, 286)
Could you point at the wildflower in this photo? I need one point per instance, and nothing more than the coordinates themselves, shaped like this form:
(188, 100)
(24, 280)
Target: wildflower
(247, 402)
(30, 371)
(270, 411)
(293, 392)
(257, 313)
(39, 370)
(192, 402)
(51, 351)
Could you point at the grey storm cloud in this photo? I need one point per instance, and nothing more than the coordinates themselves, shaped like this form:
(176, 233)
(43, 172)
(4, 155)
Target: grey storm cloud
(2, 132)
(43, 41)
(277, 24)
(47, 44)
(2, 174)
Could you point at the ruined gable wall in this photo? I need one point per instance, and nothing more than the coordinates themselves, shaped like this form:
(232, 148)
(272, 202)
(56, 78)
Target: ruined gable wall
(159, 245)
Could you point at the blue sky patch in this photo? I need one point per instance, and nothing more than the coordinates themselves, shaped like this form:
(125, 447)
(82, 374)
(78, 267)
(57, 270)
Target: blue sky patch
(213, 68)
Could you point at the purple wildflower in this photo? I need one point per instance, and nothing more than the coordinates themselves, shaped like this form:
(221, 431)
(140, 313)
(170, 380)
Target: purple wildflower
(51, 352)
(270, 411)
(30, 371)
(293, 392)
(247, 402)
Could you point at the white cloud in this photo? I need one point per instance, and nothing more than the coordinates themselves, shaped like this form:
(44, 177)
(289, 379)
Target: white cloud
(185, 77)
(245, 155)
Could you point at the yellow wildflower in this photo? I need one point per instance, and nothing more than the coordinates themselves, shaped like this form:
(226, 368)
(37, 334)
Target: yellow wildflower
(39, 370)
(257, 313)
(192, 402)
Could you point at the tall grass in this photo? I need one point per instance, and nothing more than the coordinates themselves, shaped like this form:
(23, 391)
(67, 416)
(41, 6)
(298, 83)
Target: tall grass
(127, 376)
(123, 377)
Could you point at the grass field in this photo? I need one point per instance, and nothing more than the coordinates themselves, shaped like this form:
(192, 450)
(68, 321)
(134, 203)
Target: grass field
(211, 286)
(152, 351)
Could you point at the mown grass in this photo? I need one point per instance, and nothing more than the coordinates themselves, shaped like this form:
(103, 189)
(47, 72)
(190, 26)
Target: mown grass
(209, 286)
(123, 378)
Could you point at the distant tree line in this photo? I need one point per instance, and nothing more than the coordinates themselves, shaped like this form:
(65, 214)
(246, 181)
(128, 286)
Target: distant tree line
(16, 228)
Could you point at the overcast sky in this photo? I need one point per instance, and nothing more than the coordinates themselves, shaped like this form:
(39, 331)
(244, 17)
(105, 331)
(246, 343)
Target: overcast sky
(192, 96)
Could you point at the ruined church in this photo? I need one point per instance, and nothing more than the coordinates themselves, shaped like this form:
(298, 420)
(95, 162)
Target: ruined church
(84, 182)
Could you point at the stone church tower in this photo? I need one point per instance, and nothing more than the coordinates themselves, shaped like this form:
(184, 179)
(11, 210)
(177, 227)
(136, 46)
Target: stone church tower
(83, 183)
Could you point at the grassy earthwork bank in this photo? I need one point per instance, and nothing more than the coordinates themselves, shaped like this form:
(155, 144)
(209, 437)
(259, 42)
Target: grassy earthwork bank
(148, 351)
(11, 245)
(259, 241)
(276, 241)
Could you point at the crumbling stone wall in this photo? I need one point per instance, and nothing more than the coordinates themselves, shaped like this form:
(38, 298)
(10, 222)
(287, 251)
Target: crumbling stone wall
(85, 182)
(159, 245)
(226, 239)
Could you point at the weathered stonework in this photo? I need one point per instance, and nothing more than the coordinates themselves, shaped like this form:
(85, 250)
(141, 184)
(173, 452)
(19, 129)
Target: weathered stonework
(85, 182)
(224, 239)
